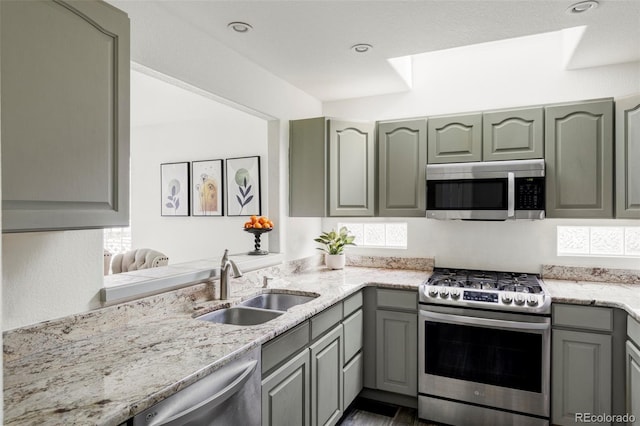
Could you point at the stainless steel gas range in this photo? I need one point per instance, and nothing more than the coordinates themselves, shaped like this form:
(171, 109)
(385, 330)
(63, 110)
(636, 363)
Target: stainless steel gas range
(484, 348)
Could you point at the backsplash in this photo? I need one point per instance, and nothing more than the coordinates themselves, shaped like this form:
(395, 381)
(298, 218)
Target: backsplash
(579, 273)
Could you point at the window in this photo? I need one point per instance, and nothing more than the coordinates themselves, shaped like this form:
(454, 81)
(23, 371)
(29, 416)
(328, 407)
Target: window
(379, 235)
(619, 241)
(117, 240)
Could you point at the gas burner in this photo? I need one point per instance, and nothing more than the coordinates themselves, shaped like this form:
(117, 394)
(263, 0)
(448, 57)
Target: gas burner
(516, 287)
(449, 282)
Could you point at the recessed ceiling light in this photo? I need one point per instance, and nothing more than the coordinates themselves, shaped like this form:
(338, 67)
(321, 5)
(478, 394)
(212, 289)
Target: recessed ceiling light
(361, 48)
(583, 6)
(240, 27)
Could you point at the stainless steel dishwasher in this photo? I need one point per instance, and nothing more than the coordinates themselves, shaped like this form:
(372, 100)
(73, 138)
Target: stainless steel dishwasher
(228, 396)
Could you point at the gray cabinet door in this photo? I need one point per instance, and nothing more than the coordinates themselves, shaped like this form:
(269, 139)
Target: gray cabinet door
(397, 352)
(308, 167)
(579, 160)
(65, 115)
(402, 157)
(353, 335)
(351, 169)
(516, 134)
(353, 379)
(633, 382)
(285, 394)
(455, 138)
(326, 379)
(581, 380)
(627, 156)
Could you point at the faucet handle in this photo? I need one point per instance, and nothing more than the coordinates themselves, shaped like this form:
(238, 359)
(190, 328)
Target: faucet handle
(265, 281)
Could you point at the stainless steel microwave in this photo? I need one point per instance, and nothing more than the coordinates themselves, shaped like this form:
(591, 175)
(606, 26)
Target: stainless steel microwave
(492, 190)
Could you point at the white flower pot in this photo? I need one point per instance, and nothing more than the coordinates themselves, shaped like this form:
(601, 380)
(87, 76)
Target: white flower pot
(334, 261)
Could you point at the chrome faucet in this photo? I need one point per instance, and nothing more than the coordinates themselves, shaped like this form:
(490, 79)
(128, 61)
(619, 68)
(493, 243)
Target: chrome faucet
(224, 274)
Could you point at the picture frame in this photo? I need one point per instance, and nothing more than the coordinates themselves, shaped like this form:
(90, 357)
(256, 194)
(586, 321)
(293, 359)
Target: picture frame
(243, 186)
(207, 188)
(174, 189)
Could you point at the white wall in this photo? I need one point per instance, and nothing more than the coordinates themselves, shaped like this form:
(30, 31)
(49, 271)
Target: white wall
(495, 75)
(217, 132)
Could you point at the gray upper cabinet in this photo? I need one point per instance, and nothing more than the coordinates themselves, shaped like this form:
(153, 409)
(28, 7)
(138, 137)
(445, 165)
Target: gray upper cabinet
(516, 134)
(65, 115)
(579, 160)
(331, 168)
(455, 138)
(627, 155)
(402, 156)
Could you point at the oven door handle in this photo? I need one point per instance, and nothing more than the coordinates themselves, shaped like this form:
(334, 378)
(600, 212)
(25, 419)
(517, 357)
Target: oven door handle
(487, 322)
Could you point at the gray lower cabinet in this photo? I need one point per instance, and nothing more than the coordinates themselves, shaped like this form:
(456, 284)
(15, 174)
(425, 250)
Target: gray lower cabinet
(455, 138)
(581, 375)
(326, 378)
(286, 396)
(627, 155)
(396, 352)
(632, 370)
(583, 371)
(579, 160)
(331, 167)
(516, 134)
(402, 156)
(65, 115)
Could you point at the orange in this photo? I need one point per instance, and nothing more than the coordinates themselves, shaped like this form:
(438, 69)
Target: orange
(263, 220)
(248, 225)
(257, 225)
(254, 219)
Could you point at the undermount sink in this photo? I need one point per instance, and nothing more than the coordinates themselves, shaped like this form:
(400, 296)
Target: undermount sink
(258, 309)
(240, 315)
(277, 301)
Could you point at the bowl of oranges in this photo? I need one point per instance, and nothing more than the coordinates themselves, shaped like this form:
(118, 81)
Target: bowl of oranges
(261, 223)
(258, 226)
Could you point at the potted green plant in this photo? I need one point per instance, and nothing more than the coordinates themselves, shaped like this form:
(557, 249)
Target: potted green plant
(334, 244)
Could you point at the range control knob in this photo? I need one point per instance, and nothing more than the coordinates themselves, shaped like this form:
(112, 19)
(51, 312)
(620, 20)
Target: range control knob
(532, 300)
(519, 299)
(433, 292)
(455, 293)
(507, 298)
(444, 292)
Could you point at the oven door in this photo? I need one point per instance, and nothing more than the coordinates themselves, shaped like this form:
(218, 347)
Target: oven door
(493, 359)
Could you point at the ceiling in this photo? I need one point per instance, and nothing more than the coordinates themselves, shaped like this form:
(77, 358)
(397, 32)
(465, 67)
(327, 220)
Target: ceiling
(307, 43)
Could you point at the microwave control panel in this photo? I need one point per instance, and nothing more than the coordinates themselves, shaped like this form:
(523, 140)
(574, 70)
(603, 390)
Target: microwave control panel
(530, 193)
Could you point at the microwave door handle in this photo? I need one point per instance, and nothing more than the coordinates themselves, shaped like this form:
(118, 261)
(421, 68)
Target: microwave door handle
(511, 198)
(486, 322)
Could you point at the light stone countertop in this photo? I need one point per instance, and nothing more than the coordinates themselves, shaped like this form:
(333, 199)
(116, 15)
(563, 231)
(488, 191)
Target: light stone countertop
(614, 295)
(105, 366)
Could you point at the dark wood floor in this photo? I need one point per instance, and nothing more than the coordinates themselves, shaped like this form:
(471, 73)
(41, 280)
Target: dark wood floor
(364, 412)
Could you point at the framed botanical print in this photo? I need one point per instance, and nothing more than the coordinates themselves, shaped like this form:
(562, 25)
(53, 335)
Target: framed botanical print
(207, 188)
(174, 189)
(243, 186)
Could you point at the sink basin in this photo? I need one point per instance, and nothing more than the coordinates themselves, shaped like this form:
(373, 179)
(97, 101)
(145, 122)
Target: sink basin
(277, 301)
(240, 315)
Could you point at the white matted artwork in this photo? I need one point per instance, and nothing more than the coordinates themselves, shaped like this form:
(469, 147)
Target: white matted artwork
(174, 189)
(207, 188)
(243, 186)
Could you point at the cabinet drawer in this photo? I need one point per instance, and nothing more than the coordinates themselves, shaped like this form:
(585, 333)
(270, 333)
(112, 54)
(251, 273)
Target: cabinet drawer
(352, 304)
(282, 347)
(583, 317)
(398, 299)
(633, 330)
(353, 379)
(326, 320)
(352, 335)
